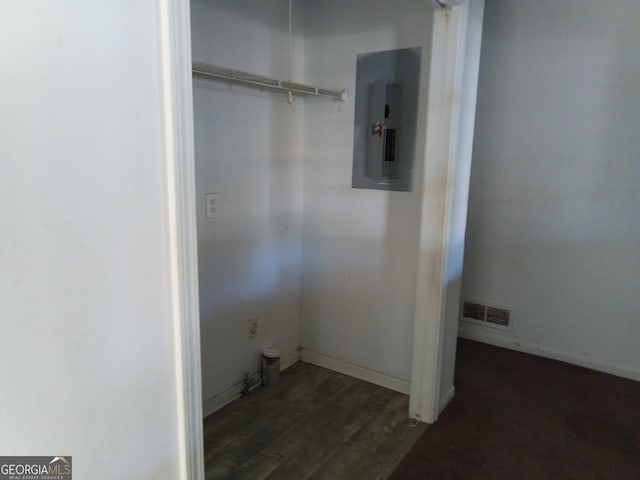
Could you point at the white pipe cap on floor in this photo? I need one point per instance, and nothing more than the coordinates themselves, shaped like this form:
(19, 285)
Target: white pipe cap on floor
(271, 353)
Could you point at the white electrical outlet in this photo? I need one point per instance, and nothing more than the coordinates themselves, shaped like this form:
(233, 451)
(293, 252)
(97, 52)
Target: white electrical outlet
(253, 327)
(211, 200)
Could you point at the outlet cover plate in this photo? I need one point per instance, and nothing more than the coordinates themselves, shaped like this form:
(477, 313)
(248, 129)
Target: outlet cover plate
(211, 205)
(253, 327)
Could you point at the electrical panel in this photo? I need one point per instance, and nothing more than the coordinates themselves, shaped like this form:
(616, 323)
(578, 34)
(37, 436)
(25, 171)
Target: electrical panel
(384, 119)
(387, 86)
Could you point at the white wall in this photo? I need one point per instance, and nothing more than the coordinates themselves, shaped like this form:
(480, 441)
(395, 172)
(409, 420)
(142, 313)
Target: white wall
(248, 146)
(87, 364)
(554, 220)
(360, 246)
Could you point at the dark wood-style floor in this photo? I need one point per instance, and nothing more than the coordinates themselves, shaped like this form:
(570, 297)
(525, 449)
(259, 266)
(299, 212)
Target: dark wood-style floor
(317, 424)
(518, 416)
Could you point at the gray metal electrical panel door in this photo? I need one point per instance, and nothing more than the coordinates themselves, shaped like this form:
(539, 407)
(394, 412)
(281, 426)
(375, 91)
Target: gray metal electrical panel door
(386, 108)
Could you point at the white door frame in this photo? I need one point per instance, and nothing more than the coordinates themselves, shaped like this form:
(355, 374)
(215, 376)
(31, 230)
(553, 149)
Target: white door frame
(177, 103)
(448, 50)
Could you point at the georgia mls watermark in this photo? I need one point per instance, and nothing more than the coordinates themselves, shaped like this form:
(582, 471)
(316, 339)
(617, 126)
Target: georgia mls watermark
(35, 468)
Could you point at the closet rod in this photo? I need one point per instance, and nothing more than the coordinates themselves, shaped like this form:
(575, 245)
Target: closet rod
(231, 75)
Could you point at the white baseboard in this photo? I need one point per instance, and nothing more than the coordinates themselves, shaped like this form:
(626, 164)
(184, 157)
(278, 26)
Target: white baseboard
(227, 396)
(471, 333)
(355, 371)
(232, 393)
(446, 398)
(289, 359)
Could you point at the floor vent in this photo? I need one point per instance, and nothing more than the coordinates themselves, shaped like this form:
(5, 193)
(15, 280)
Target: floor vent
(474, 311)
(499, 316)
(486, 315)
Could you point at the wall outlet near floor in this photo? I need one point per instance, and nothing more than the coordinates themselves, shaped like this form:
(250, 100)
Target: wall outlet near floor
(253, 327)
(211, 200)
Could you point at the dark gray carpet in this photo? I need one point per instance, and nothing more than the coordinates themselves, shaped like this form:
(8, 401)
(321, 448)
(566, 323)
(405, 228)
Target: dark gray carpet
(518, 416)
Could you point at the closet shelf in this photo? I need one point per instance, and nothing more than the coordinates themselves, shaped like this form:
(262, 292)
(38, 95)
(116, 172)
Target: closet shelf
(216, 72)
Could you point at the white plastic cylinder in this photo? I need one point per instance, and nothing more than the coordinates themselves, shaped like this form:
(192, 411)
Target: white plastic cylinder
(270, 367)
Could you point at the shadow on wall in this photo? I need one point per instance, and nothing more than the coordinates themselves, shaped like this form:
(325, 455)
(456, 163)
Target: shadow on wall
(249, 257)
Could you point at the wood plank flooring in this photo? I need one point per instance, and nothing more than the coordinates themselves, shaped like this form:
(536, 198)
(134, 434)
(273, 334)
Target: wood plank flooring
(317, 424)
